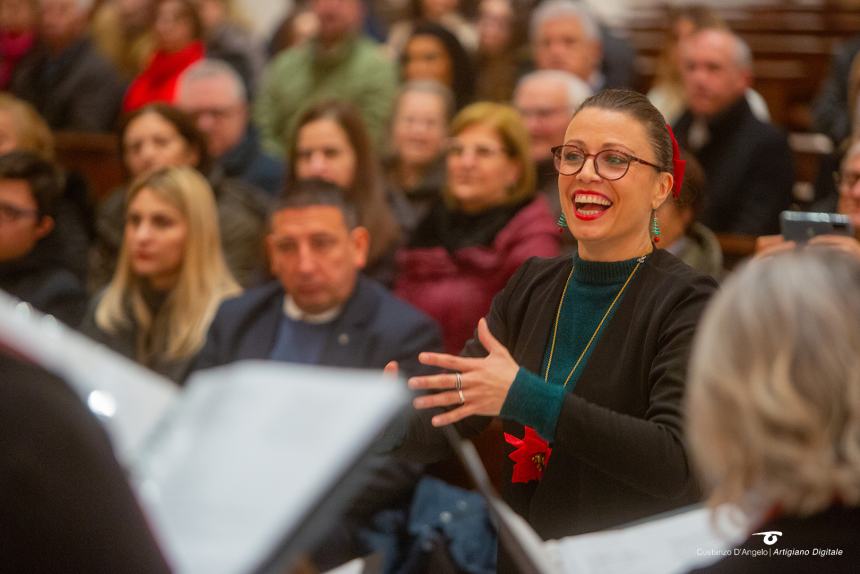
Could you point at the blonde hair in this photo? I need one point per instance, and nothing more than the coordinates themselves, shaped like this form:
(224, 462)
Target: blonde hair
(774, 401)
(31, 130)
(179, 328)
(508, 125)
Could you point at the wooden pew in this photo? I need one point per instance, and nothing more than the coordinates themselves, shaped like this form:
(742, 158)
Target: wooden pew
(95, 156)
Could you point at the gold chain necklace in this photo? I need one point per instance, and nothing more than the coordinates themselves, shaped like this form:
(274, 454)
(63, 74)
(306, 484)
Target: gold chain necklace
(639, 262)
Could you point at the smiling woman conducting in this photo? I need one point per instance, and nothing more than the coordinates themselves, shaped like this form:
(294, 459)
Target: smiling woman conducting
(584, 357)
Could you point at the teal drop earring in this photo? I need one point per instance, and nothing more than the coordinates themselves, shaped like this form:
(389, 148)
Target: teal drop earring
(561, 222)
(655, 227)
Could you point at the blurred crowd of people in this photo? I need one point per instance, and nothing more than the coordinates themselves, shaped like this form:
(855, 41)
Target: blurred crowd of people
(360, 188)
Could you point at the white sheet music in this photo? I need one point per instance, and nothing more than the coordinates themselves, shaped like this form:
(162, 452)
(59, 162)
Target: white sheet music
(254, 448)
(129, 399)
(227, 468)
(670, 545)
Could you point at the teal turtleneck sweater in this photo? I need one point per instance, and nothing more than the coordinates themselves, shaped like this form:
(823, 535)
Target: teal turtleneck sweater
(535, 402)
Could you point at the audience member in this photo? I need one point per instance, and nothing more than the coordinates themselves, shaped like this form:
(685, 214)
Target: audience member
(667, 89)
(19, 20)
(122, 31)
(68, 81)
(299, 25)
(434, 53)
(340, 62)
(415, 168)
(488, 223)
(322, 310)
(546, 100)
(830, 110)
(332, 143)
(66, 502)
(446, 14)
(681, 234)
(500, 55)
(30, 191)
(228, 38)
(776, 355)
(747, 163)
(22, 128)
(212, 93)
(177, 34)
(170, 277)
(158, 136)
(847, 203)
(566, 36)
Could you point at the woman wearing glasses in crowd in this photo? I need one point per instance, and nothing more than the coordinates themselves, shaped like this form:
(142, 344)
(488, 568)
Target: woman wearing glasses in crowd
(584, 357)
(487, 222)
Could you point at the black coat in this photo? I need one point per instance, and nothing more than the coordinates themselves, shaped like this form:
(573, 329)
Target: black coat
(66, 505)
(749, 171)
(374, 328)
(619, 452)
(79, 90)
(45, 285)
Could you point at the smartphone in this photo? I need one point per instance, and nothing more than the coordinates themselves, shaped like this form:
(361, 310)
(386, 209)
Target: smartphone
(801, 226)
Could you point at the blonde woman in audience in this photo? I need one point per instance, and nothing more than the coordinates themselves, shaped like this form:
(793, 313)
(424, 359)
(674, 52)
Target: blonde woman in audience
(171, 275)
(21, 127)
(487, 223)
(122, 31)
(776, 355)
(158, 136)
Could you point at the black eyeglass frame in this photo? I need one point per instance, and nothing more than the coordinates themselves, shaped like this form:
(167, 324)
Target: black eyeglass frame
(556, 160)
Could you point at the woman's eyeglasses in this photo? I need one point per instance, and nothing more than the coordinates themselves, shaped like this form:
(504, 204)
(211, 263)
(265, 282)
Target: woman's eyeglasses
(609, 164)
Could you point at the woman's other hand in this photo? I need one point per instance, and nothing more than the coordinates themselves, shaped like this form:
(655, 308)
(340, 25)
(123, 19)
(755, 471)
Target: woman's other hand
(484, 381)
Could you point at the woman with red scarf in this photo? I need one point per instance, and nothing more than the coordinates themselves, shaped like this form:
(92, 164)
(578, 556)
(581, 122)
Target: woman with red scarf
(178, 44)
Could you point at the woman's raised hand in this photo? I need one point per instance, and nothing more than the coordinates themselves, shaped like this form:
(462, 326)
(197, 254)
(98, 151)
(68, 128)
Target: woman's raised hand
(478, 386)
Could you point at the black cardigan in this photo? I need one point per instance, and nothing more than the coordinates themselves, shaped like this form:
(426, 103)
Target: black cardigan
(619, 453)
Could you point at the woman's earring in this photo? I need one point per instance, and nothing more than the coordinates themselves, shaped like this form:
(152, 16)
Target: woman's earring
(561, 221)
(655, 227)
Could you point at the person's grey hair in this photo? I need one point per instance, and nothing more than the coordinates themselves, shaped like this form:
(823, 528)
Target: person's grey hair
(577, 90)
(743, 57)
(743, 54)
(210, 68)
(555, 9)
(429, 87)
(776, 354)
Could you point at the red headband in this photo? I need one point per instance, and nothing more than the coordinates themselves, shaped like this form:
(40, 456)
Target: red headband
(678, 165)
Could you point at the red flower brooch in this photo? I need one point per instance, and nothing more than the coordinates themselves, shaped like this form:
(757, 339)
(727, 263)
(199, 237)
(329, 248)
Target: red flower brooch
(530, 457)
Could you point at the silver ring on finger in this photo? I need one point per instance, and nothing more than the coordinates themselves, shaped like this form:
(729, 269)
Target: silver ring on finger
(459, 382)
(462, 397)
